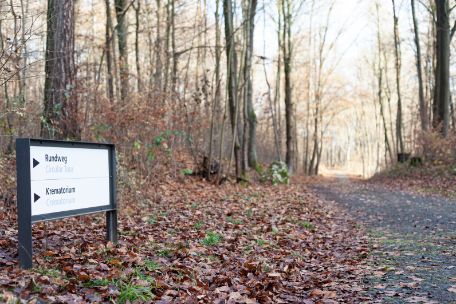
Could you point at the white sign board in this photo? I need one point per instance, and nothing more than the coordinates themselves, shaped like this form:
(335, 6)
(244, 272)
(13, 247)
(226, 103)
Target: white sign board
(64, 179)
(57, 179)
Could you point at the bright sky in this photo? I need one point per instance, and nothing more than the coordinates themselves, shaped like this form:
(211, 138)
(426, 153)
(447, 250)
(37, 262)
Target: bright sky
(354, 19)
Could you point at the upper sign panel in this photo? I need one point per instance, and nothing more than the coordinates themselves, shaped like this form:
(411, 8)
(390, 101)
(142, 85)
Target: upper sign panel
(53, 163)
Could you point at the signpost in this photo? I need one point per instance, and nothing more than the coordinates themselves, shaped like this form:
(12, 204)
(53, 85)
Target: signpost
(57, 179)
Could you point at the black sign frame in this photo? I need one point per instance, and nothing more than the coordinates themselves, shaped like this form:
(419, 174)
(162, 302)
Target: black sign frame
(24, 201)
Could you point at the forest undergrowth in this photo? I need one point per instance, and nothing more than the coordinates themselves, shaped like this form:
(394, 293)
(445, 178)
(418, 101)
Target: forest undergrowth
(184, 240)
(433, 172)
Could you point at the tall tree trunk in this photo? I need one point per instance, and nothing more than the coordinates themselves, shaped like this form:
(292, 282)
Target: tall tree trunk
(250, 116)
(123, 49)
(217, 94)
(23, 84)
(138, 64)
(453, 122)
(397, 57)
(278, 81)
(158, 51)
(60, 116)
(388, 149)
(167, 45)
(231, 59)
(173, 46)
(306, 140)
(289, 112)
(313, 159)
(110, 83)
(422, 103)
(442, 72)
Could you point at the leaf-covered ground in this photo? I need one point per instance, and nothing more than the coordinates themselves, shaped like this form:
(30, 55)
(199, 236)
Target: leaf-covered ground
(191, 242)
(427, 180)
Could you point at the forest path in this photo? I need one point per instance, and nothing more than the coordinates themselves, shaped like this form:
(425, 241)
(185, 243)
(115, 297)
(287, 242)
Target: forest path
(413, 236)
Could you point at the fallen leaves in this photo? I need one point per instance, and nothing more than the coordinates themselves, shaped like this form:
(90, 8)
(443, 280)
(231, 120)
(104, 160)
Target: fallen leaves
(197, 244)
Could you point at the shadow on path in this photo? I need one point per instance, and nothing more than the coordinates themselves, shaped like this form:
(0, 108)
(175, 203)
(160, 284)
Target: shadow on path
(413, 236)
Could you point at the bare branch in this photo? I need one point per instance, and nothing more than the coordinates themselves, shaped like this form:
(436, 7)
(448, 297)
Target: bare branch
(426, 7)
(453, 30)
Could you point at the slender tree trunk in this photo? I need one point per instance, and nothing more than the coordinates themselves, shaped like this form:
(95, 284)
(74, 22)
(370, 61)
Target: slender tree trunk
(313, 159)
(173, 46)
(23, 85)
(382, 114)
(123, 49)
(158, 51)
(278, 81)
(306, 148)
(397, 56)
(289, 111)
(453, 122)
(231, 58)
(109, 84)
(217, 94)
(167, 45)
(388, 150)
(138, 63)
(273, 116)
(422, 103)
(249, 143)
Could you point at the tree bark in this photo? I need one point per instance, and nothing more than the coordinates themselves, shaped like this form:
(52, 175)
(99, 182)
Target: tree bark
(123, 48)
(217, 94)
(109, 81)
(174, 76)
(250, 116)
(388, 150)
(422, 103)
(158, 51)
(231, 59)
(289, 112)
(397, 57)
(442, 71)
(60, 116)
(137, 9)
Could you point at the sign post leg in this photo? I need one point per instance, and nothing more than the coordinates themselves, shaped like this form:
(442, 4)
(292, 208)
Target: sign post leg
(111, 226)
(24, 212)
(25, 242)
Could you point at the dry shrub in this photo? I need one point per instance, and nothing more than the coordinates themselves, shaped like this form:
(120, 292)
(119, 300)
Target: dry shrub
(8, 184)
(154, 139)
(437, 150)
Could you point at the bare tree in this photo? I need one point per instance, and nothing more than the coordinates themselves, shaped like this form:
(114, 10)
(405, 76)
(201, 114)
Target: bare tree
(108, 50)
(287, 51)
(250, 119)
(137, 9)
(121, 27)
(232, 82)
(397, 57)
(422, 103)
(158, 49)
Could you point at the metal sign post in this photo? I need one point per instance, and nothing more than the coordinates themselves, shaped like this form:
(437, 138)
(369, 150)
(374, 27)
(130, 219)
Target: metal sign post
(58, 179)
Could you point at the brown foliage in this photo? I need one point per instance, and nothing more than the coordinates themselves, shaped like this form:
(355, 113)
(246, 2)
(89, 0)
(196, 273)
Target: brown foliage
(190, 242)
(438, 150)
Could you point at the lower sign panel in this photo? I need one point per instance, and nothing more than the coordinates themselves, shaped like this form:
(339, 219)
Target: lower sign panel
(50, 196)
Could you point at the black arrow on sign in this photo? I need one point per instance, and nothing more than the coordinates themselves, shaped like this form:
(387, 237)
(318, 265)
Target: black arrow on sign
(35, 197)
(35, 163)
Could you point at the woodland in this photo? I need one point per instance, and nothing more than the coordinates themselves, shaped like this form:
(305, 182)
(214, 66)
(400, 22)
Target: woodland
(231, 120)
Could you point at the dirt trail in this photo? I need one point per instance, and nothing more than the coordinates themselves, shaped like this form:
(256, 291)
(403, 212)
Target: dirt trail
(413, 237)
